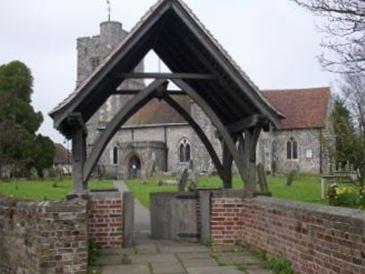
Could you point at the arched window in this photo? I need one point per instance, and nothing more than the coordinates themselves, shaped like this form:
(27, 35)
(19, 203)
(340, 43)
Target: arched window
(115, 156)
(184, 151)
(292, 149)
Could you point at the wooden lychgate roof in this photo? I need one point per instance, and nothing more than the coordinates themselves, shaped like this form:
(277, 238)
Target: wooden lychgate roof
(185, 46)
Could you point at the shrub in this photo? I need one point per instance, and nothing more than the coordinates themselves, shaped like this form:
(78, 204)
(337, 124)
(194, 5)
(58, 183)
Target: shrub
(94, 252)
(344, 196)
(279, 265)
(126, 260)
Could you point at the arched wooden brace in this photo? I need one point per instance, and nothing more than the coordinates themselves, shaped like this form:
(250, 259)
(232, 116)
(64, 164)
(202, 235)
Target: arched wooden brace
(208, 145)
(226, 136)
(141, 99)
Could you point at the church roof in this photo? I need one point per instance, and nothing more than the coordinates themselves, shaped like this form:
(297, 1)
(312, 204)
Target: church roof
(184, 44)
(303, 108)
(62, 155)
(159, 112)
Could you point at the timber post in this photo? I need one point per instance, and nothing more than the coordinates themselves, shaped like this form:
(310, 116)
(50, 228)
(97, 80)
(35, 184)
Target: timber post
(79, 134)
(227, 167)
(247, 154)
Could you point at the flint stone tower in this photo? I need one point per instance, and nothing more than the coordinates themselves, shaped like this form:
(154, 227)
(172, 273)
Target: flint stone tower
(91, 51)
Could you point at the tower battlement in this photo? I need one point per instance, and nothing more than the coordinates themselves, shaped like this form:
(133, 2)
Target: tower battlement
(91, 51)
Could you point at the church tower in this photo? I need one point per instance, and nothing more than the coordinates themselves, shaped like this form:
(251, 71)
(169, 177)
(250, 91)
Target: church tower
(91, 51)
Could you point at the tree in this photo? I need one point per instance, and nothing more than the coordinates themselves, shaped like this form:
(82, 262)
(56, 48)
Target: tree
(344, 133)
(345, 28)
(44, 154)
(16, 147)
(353, 90)
(19, 144)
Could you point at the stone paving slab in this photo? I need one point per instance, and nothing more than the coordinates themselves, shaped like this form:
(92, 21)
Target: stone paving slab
(126, 269)
(119, 251)
(114, 259)
(214, 270)
(188, 263)
(156, 258)
(146, 248)
(236, 258)
(167, 268)
(193, 255)
(183, 249)
(229, 249)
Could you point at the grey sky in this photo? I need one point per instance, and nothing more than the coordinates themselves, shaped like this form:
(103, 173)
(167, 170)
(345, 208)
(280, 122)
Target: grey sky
(274, 41)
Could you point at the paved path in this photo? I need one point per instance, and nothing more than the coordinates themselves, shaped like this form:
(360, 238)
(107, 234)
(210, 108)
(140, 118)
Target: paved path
(170, 257)
(142, 221)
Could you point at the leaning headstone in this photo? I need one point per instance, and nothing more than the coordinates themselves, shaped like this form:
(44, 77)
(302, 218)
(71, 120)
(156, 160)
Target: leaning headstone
(34, 174)
(194, 176)
(183, 180)
(262, 178)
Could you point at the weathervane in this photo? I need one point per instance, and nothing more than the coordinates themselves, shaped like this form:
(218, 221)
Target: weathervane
(109, 9)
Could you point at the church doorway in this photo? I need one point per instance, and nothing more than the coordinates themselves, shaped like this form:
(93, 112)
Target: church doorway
(134, 167)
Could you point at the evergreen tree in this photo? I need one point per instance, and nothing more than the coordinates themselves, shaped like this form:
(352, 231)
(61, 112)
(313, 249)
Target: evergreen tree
(44, 154)
(344, 133)
(20, 147)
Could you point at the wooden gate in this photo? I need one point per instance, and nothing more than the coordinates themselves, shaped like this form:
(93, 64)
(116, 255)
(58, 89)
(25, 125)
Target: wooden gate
(179, 216)
(174, 216)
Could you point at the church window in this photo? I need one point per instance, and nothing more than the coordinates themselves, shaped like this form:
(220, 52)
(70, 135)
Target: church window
(184, 151)
(292, 149)
(95, 62)
(309, 153)
(115, 156)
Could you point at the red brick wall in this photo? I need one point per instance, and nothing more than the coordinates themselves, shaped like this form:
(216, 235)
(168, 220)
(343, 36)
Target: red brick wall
(317, 239)
(105, 219)
(226, 220)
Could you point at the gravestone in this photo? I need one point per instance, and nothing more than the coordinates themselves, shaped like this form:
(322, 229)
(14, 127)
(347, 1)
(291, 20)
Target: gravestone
(183, 179)
(262, 178)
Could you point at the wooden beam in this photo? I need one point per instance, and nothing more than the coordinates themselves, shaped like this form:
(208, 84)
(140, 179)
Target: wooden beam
(228, 66)
(78, 160)
(247, 151)
(226, 136)
(246, 123)
(135, 91)
(125, 51)
(119, 119)
(227, 167)
(208, 145)
(190, 76)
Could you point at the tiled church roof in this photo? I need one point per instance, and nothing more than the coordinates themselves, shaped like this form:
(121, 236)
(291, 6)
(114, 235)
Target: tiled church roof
(303, 108)
(62, 155)
(159, 112)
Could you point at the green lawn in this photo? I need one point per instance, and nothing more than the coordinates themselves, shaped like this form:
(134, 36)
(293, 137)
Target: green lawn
(305, 188)
(44, 190)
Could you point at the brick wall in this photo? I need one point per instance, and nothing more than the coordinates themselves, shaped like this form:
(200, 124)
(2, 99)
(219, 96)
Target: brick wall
(317, 239)
(226, 220)
(105, 219)
(43, 237)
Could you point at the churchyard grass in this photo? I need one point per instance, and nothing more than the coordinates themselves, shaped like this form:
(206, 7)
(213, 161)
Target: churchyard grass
(45, 190)
(306, 188)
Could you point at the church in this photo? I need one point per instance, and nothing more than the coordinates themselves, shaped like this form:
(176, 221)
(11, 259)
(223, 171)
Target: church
(158, 138)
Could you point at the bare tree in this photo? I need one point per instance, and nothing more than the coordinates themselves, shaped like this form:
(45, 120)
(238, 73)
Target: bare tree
(353, 91)
(345, 28)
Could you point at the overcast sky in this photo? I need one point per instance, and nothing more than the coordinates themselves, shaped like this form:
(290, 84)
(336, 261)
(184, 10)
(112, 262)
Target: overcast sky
(274, 41)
